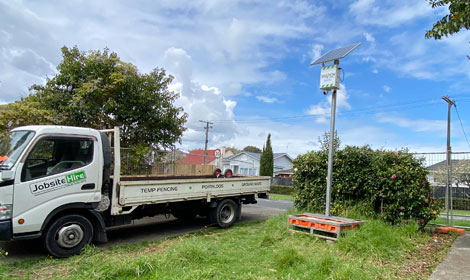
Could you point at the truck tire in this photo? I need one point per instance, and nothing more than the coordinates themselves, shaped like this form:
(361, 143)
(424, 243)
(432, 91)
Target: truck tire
(67, 235)
(225, 213)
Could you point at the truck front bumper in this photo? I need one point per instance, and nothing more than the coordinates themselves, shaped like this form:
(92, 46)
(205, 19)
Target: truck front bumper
(5, 230)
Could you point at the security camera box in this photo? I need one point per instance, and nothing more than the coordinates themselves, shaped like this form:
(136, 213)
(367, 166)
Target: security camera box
(329, 77)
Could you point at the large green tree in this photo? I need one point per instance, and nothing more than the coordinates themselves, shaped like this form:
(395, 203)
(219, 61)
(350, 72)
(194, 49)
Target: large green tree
(267, 159)
(324, 141)
(457, 19)
(96, 89)
(252, 149)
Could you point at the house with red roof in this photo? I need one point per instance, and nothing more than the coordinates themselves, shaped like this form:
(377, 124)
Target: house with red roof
(214, 157)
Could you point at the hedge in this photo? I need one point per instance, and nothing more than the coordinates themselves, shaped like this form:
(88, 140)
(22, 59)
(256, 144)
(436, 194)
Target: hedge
(394, 184)
(457, 203)
(289, 190)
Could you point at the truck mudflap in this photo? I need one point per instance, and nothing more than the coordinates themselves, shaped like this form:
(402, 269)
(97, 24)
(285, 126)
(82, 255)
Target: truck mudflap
(5, 230)
(99, 228)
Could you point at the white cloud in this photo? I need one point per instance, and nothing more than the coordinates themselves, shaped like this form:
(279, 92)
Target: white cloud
(387, 88)
(291, 138)
(389, 13)
(214, 90)
(323, 109)
(368, 59)
(369, 37)
(200, 102)
(232, 44)
(418, 125)
(315, 53)
(267, 99)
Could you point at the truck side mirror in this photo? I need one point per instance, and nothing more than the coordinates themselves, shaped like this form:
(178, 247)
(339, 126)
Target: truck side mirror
(7, 175)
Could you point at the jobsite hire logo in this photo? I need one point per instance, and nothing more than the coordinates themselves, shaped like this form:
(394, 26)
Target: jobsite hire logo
(57, 183)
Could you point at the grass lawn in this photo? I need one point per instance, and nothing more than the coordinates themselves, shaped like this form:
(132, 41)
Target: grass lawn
(456, 212)
(274, 196)
(442, 221)
(253, 250)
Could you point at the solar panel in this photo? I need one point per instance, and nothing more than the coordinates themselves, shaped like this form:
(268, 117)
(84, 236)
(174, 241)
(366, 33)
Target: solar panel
(335, 54)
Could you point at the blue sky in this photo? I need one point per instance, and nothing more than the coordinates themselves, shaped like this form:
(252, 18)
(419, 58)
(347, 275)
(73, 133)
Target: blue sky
(244, 65)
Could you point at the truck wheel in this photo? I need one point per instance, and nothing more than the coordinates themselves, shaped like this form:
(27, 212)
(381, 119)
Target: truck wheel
(67, 235)
(225, 214)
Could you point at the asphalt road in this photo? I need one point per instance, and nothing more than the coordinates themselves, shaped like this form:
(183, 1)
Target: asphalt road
(151, 229)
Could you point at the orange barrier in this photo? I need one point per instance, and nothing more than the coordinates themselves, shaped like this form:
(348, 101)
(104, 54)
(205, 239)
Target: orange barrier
(445, 230)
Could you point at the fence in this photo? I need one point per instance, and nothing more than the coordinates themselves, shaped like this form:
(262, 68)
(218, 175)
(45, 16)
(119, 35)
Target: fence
(459, 190)
(163, 168)
(160, 162)
(281, 181)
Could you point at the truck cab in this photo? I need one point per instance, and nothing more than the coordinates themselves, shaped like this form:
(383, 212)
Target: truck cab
(47, 170)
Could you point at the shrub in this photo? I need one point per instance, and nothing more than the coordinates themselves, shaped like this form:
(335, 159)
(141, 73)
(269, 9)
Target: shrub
(457, 203)
(289, 190)
(393, 183)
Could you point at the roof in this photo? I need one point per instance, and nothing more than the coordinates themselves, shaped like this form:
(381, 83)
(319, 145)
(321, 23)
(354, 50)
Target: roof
(197, 157)
(258, 155)
(286, 171)
(441, 165)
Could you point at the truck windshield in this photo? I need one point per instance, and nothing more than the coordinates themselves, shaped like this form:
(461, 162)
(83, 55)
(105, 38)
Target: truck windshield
(11, 147)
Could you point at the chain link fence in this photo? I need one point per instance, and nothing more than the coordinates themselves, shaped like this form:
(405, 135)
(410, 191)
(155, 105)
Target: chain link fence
(458, 209)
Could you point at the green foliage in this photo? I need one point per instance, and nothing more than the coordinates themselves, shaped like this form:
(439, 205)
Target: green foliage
(457, 203)
(98, 90)
(379, 240)
(324, 141)
(27, 111)
(282, 189)
(267, 159)
(394, 184)
(252, 149)
(457, 19)
(136, 160)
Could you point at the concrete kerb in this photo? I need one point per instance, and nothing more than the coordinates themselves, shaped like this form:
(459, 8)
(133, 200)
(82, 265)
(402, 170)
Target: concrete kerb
(455, 265)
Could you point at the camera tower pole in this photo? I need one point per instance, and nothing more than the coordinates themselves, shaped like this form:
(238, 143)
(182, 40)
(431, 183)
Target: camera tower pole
(329, 81)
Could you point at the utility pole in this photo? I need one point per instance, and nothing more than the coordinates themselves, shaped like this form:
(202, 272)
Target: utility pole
(207, 139)
(448, 202)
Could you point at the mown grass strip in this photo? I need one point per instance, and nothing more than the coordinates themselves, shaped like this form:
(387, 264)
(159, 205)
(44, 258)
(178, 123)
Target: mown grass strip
(274, 196)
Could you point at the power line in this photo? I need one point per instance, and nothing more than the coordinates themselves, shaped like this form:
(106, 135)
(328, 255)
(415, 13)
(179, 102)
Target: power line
(361, 111)
(461, 125)
(412, 104)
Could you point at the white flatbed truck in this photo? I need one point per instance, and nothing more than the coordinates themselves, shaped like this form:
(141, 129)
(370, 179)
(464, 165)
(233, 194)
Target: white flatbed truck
(56, 185)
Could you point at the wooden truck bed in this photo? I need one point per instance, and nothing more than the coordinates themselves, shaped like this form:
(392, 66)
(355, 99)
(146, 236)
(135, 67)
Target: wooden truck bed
(149, 190)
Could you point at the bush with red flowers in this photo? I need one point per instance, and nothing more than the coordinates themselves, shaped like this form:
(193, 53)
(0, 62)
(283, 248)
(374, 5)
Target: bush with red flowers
(393, 184)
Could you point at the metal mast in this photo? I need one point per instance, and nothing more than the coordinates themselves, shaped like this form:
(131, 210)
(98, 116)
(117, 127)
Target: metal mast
(448, 202)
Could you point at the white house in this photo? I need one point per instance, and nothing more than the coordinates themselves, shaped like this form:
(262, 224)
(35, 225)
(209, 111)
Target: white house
(247, 163)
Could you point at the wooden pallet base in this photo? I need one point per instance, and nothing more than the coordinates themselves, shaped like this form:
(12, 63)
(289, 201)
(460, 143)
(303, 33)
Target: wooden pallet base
(327, 227)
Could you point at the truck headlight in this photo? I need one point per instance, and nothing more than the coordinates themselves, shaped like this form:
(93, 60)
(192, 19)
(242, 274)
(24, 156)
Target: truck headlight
(5, 211)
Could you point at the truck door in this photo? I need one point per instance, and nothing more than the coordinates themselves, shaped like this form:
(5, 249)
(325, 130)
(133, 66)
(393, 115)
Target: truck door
(57, 171)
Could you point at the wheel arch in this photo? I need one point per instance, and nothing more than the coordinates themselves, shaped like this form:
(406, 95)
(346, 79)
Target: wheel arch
(84, 209)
